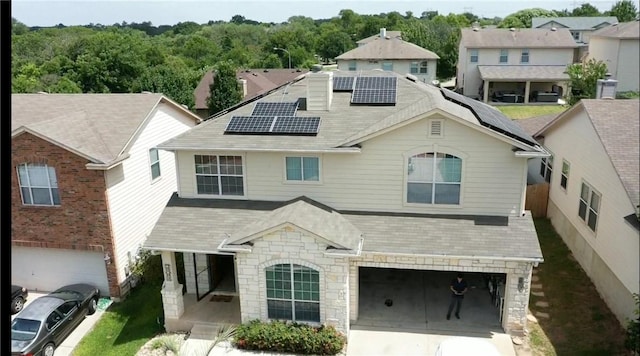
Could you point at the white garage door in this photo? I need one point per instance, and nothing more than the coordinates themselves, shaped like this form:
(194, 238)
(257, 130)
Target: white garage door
(47, 269)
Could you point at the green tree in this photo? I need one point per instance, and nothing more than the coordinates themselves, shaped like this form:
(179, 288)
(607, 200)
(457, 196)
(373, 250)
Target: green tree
(173, 78)
(333, 43)
(522, 18)
(632, 341)
(583, 78)
(624, 10)
(224, 92)
(586, 9)
(27, 79)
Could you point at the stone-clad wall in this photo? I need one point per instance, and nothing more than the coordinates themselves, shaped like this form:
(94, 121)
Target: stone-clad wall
(516, 302)
(291, 246)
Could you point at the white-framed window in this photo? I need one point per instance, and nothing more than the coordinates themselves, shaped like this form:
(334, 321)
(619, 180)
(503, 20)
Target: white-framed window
(576, 35)
(504, 55)
(473, 55)
(424, 67)
(564, 176)
(154, 162)
(589, 206)
(302, 169)
(546, 168)
(524, 56)
(388, 66)
(352, 65)
(219, 175)
(38, 184)
(414, 68)
(434, 178)
(293, 293)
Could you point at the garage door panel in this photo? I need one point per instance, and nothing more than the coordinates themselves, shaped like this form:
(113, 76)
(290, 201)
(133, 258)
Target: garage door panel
(48, 269)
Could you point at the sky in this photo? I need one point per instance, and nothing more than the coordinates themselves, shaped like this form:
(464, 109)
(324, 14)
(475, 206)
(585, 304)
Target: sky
(170, 12)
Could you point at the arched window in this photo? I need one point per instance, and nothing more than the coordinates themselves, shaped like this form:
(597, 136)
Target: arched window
(293, 293)
(434, 178)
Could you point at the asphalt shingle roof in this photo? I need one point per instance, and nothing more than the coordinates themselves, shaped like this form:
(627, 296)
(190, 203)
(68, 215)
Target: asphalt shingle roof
(388, 48)
(519, 38)
(390, 34)
(534, 124)
(576, 22)
(523, 72)
(623, 30)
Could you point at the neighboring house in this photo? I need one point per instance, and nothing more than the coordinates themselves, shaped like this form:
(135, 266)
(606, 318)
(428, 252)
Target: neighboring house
(285, 203)
(595, 191)
(618, 46)
(514, 65)
(391, 54)
(383, 33)
(581, 27)
(88, 184)
(254, 82)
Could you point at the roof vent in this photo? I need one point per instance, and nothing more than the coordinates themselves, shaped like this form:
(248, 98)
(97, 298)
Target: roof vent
(512, 29)
(606, 88)
(412, 77)
(145, 92)
(42, 92)
(475, 29)
(553, 29)
(266, 71)
(316, 68)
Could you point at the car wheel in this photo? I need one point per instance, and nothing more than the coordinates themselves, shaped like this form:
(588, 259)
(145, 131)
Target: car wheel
(17, 304)
(93, 305)
(48, 349)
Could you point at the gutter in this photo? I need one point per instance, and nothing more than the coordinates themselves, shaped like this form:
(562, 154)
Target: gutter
(326, 150)
(107, 166)
(233, 249)
(534, 260)
(357, 253)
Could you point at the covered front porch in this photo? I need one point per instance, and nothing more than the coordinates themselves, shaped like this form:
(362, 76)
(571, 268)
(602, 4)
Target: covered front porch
(523, 84)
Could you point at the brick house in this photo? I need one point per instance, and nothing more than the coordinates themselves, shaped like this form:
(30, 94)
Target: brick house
(87, 184)
(293, 206)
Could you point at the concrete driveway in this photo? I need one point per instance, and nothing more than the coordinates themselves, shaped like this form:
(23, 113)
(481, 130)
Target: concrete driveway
(76, 335)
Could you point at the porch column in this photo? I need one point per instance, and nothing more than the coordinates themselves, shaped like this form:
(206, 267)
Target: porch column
(527, 88)
(485, 92)
(172, 301)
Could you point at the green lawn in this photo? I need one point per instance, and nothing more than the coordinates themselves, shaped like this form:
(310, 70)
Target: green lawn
(580, 322)
(126, 326)
(517, 112)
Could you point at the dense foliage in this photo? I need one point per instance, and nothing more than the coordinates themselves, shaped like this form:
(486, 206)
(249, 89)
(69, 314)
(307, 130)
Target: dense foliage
(632, 340)
(225, 91)
(289, 337)
(583, 78)
(134, 57)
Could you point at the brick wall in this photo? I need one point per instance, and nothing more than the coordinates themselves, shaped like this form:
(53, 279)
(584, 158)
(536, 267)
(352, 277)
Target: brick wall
(81, 221)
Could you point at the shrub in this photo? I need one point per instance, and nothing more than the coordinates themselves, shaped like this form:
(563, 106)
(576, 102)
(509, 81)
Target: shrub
(289, 337)
(632, 341)
(166, 343)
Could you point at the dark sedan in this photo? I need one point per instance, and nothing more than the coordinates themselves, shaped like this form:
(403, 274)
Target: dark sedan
(18, 298)
(43, 324)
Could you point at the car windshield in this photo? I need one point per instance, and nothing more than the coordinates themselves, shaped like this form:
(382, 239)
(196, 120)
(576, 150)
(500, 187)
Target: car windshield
(24, 329)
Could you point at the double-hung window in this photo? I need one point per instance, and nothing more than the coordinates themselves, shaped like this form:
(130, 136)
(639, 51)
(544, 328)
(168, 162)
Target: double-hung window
(303, 169)
(424, 67)
(219, 175)
(473, 56)
(546, 168)
(38, 184)
(352, 65)
(414, 68)
(434, 178)
(589, 206)
(504, 56)
(388, 66)
(524, 56)
(154, 160)
(293, 293)
(564, 177)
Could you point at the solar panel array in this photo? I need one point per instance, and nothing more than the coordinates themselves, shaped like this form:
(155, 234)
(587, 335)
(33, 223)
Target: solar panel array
(275, 109)
(489, 116)
(378, 83)
(343, 83)
(375, 90)
(277, 125)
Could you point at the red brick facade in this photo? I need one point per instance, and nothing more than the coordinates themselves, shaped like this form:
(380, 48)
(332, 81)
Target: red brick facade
(81, 221)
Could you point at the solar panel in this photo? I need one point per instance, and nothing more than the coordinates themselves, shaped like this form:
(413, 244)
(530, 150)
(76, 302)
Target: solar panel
(343, 83)
(275, 109)
(296, 125)
(369, 96)
(376, 83)
(489, 116)
(250, 124)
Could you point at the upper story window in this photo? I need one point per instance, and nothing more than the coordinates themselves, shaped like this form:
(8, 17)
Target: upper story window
(524, 56)
(504, 56)
(564, 177)
(434, 178)
(293, 293)
(546, 168)
(414, 68)
(589, 206)
(154, 161)
(576, 35)
(424, 67)
(38, 184)
(303, 169)
(419, 67)
(473, 56)
(219, 175)
(387, 66)
(352, 65)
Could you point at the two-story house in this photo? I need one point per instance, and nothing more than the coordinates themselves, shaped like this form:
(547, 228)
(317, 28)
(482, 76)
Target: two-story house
(594, 192)
(618, 47)
(383, 32)
(254, 82)
(514, 65)
(391, 53)
(581, 27)
(88, 184)
(300, 205)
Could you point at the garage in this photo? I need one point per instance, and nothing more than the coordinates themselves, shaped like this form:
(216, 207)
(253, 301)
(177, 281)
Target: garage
(418, 299)
(46, 269)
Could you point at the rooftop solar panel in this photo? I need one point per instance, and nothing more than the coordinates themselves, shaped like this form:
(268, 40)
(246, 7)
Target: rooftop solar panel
(343, 83)
(376, 83)
(296, 125)
(489, 116)
(250, 124)
(370, 96)
(275, 109)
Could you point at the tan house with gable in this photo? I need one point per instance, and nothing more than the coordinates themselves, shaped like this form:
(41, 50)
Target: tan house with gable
(581, 27)
(306, 204)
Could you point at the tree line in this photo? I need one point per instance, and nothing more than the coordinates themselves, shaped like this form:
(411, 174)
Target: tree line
(135, 57)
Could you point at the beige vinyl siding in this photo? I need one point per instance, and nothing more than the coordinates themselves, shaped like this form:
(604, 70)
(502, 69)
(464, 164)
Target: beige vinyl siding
(374, 180)
(400, 66)
(628, 71)
(135, 201)
(614, 240)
